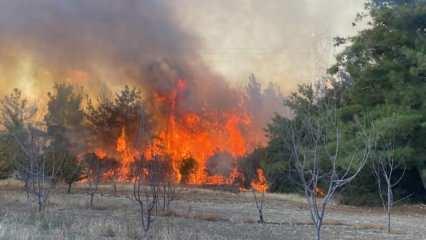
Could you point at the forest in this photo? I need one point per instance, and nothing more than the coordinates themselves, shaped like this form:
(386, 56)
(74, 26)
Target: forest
(355, 136)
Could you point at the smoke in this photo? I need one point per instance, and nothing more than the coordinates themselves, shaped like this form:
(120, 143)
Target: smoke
(155, 44)
(282, 41)
(102, 44)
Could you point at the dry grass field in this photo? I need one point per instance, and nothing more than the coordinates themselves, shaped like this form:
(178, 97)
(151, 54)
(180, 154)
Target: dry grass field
(198, 214)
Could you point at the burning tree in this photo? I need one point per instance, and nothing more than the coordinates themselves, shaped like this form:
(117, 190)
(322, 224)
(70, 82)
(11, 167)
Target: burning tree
(260, 185)
(187, 167)
(120, 127)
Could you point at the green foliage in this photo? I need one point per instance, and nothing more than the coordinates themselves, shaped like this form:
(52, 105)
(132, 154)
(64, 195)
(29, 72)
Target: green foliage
(362, 191)
(248, 165)
(96, 167)
(277, 165)
(64, 117)
(6, 157)
(390, 3)
(15, 113)
(107, 117)
(387, 68)
(64, 121)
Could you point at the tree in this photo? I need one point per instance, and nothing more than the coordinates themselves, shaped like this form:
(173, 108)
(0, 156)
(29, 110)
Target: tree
(72, 171)
(34, 170)
(390, 3)
(323, 152)
(124, 117)
(187, 168)
(108, 116)
(145, 191)
(249, 164)
(386, 65)
(6, 156)
(16, 115)
(95, 170)
(389, 172)
(64, 121)
(259, 184)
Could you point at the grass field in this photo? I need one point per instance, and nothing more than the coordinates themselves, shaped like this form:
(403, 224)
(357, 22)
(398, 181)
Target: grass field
(197, 214)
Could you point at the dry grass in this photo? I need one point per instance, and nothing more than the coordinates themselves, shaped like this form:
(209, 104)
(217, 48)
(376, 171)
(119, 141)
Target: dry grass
(198, 214)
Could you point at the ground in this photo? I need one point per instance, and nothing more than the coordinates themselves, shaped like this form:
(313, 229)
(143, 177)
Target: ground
(197, 214)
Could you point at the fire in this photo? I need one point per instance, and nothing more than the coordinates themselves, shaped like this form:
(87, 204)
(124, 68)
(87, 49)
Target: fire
(260, 184)
(126, 153)
(101, 153)
(319, 192)
(183, 134)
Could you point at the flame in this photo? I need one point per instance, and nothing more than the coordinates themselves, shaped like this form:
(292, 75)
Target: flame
(319, 192)
(101, 153)
(126, 153)
(260, 184)
(183, 134)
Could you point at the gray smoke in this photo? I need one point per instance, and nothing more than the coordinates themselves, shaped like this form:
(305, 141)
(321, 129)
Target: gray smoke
(138, 42)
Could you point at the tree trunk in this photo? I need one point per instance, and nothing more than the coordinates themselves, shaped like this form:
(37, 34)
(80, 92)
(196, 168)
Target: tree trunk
(40, 203)
(114, 187)
(164, 197)
(92, 196)
(317, 233)
(389, 207)
(261, 220)
(69, 188)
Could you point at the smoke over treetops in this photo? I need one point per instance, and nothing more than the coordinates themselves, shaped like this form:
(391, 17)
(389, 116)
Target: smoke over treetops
(102, 42)
(105, 44)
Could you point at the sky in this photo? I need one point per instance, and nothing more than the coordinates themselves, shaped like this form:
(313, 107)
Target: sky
(282, 41)
(102, 42)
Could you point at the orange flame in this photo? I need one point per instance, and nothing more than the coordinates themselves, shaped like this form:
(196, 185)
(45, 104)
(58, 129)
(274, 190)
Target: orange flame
(319, 192)
(260, 184)
(184, 134)
(100, 153)
(126, 153)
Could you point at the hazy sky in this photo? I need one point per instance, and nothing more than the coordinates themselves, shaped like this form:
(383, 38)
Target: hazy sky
(281, 41)
(284, 41)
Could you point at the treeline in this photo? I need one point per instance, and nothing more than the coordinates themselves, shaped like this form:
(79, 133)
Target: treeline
(72, 126)
(49, 146)
(378, 87)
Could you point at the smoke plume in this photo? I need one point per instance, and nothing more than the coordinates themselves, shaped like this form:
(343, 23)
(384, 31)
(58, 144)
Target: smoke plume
(104, 43)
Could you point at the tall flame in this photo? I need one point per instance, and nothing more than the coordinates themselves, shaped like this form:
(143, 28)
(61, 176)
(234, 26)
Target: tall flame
(183, 134)
(260, 184)
(126, 153)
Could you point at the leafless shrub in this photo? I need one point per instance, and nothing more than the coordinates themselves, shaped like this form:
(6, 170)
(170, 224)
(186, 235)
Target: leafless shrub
(259, 184)
(33, 168)
(259, 200)
(385, 169)
(315, 143)
(95, 169)
(169, 193)
(145, 192)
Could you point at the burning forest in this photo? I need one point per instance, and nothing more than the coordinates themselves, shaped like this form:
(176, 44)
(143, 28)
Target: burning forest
(189, 119)
(129, 128)
(173, 105)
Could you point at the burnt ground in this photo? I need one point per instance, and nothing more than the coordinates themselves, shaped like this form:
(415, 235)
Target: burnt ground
(197, 214)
